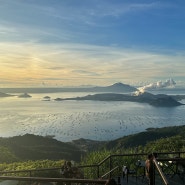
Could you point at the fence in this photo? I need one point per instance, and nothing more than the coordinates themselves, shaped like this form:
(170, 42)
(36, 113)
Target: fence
(111, 166)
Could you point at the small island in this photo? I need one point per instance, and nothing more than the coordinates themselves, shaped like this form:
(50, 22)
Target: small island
(2, 95)
(46, 98)
(160, 100)
(25, 95)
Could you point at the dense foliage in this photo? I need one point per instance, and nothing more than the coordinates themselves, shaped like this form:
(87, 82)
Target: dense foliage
(34, 168)
(169, 144)
(32, 147)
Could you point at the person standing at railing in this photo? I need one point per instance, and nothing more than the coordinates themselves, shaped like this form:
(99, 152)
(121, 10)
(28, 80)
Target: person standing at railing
(66, 170)
(149, 165)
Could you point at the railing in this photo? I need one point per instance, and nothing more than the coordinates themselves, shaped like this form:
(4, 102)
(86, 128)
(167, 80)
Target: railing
(109, 173)
(112, 158)
(29, 172)
(106, 167)
(160, 172)
(42, 179)
(111, 161)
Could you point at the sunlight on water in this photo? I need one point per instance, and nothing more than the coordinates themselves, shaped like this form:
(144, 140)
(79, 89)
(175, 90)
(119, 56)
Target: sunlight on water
(69, 120)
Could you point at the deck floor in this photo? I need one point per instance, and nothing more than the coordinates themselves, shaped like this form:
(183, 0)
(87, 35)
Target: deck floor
(132, 180)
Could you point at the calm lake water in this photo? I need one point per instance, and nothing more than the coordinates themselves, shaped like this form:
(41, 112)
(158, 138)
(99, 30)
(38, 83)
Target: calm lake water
(69, 120)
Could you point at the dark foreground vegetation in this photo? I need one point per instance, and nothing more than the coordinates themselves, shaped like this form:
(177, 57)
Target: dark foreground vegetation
(35, 152)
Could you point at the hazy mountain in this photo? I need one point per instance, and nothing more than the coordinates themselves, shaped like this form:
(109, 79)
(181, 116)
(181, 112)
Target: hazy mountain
(117, 87)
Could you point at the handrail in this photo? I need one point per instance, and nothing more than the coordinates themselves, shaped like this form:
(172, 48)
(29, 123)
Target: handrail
(136, 154)
(42, 179)
(110, 172)
(160, 172)
(31, 170)
(44, 169)
(120, 155)
(98, 165)
(172, 159)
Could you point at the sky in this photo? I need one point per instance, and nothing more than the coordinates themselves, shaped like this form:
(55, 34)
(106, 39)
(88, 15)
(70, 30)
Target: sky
(58, 43)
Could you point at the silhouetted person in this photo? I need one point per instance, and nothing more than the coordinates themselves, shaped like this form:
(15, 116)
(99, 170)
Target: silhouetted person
(150, 169)
(66, 171)
(77, 173)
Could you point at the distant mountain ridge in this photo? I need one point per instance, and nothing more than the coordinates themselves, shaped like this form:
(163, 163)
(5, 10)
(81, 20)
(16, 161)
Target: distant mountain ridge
(117, 87)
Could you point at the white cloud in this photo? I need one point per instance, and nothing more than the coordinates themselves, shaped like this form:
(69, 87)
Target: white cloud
(85, 64)
(158, 85)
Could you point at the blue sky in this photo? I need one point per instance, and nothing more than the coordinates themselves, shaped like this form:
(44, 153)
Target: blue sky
(98, 42)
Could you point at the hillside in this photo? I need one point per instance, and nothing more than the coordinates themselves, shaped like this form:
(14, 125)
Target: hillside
(143, 138)
(32, 147)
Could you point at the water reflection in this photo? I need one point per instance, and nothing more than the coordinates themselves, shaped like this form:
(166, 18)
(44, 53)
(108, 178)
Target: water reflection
(68, 120)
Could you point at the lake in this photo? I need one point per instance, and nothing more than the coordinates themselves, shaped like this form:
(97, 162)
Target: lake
(70, 120)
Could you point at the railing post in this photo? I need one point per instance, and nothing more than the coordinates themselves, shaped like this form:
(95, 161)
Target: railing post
(153, 173)
(110, 166)
(30, 176)
(160, 171)
(98, 171)
(179, 154)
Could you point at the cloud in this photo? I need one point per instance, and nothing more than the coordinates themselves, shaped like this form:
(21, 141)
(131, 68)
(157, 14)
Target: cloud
(85, 73)
(122, 8)
(84, 64)
(158, 85)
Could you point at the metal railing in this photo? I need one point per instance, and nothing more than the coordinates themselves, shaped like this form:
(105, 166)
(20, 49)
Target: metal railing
(160, 172)
(29, 172)
(110, 158)
(42, 179)
(102, 169)
(109, 172)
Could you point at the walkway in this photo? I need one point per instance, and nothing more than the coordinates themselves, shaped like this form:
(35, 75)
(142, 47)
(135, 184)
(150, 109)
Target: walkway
(143, 181)
(8, 182)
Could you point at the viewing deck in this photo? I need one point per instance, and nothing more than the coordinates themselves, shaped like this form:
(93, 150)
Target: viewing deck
(169, 169)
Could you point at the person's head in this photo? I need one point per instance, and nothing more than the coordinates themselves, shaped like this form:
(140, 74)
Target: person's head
(150, 156)
(65, 163)
(68, 163)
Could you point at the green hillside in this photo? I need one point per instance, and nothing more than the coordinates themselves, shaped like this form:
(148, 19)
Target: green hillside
(143, 138)
(32, 147)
